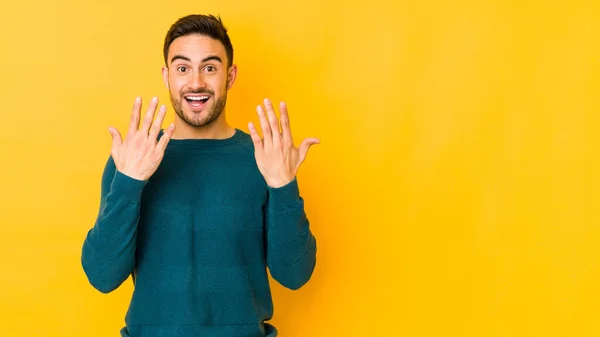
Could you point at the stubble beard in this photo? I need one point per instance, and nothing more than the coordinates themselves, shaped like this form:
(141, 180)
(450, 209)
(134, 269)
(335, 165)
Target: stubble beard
(206, 117)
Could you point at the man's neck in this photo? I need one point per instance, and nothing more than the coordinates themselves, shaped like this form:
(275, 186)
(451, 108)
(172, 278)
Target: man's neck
(219, 129)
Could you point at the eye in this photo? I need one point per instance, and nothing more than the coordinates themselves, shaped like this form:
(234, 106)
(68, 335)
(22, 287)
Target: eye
(210, 69)
(181, 69)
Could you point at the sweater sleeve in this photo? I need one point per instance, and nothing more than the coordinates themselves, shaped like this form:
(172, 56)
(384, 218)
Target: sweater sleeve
(291, 246)
(108, 252)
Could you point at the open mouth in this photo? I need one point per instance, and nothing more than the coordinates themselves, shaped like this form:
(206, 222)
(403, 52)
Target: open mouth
(196, 101)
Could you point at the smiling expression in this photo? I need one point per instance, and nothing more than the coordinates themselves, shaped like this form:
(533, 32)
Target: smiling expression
(198, 78)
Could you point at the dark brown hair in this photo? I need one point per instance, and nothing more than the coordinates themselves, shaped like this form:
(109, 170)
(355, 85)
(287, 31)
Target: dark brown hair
(208, 25)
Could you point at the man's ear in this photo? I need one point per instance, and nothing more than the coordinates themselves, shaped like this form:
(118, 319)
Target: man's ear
(231, 75)
(165, 74)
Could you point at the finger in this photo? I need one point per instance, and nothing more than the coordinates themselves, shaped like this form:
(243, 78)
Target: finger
(255, 136)
(165, 138)
(149, 116)
(134, 121)
(116, 137)
(273, 123)
(304, 146)
(285, 125)
(158, 123)
(267, 136)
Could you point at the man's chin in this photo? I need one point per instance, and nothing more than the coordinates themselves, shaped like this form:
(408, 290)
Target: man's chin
(198, 118)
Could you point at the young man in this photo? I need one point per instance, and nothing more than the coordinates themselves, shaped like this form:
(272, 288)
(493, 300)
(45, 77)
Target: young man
(198, 212)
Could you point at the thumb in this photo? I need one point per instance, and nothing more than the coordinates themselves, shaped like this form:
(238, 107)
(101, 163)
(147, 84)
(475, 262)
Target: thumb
(116, 137)
(305, 145)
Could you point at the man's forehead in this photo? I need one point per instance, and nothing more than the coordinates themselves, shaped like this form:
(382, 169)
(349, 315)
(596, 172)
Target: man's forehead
(196, 47)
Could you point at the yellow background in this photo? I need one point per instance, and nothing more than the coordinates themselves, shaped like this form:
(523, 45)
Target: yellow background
(455, 192)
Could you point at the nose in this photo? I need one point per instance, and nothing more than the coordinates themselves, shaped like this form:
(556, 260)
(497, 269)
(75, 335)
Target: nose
(197, 80)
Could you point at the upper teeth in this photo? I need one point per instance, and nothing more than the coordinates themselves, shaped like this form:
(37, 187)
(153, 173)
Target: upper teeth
(197, 98)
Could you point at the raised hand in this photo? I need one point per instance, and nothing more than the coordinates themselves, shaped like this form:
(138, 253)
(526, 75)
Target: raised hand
(276, 156)
(140, 154)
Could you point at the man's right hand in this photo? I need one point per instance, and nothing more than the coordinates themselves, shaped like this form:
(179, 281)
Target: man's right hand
(140, 154)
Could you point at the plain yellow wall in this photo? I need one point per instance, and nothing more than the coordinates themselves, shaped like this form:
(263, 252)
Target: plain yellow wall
(454, 193)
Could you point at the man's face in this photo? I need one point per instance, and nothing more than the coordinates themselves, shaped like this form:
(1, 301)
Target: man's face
(198, 78)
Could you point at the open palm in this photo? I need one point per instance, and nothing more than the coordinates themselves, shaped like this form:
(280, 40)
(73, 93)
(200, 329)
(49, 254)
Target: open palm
(276, 155)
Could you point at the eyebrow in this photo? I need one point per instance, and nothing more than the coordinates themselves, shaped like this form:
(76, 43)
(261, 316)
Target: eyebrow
(185, 58)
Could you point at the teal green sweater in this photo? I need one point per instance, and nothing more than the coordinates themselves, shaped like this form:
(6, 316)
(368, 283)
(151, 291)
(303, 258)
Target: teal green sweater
(197, 239)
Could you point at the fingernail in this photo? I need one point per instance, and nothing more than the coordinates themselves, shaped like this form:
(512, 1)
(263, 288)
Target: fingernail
(266, 101)
(138, 99)
(154, 99)
(259, 109)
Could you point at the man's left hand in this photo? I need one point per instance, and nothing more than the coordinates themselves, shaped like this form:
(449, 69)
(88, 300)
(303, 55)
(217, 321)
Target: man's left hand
(276, 156)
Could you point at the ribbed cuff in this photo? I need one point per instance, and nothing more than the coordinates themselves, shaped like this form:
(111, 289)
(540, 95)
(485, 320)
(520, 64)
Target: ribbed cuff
(284, 197)
(126, 187)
